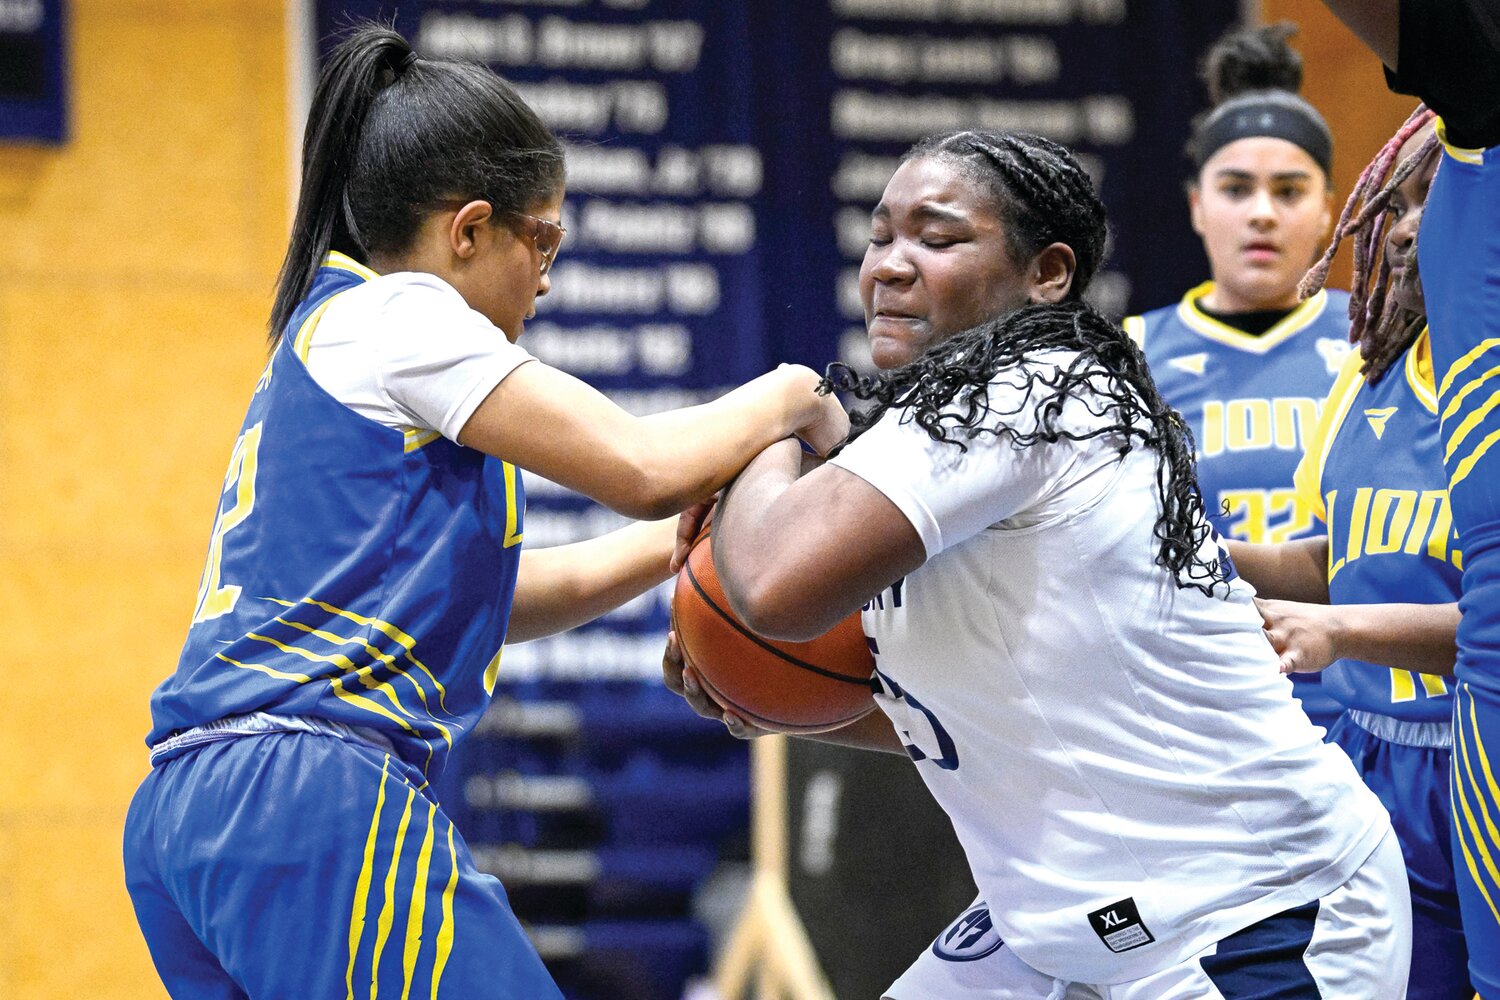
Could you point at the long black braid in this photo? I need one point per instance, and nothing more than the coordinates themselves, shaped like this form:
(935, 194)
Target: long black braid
(1045, 197)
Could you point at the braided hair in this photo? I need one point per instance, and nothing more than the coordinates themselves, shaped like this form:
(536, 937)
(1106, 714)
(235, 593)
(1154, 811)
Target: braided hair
(1379, 324)
(1042, 193)
(1045, 197)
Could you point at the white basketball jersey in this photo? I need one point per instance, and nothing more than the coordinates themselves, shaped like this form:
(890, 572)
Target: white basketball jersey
(1125, 767)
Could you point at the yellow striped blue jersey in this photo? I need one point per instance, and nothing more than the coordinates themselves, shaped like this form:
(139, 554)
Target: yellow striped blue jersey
(1460, 261)
(1373, 473)
(1250, 401)
(355, 572)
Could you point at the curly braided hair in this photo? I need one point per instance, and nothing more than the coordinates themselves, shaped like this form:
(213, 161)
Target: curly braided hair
(1381, 327)
(1043, 196)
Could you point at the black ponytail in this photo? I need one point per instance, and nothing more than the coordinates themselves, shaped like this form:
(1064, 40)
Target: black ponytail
(390, 134)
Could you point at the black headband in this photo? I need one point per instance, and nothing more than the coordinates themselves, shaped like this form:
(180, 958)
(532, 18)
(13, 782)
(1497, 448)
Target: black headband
(1265, 116)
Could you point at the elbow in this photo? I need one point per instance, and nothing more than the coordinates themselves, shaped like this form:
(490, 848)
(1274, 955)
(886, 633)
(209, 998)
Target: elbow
(648, 491)
(774, 606)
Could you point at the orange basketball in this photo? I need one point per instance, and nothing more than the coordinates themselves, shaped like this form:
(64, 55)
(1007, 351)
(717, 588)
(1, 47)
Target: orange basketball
(789, 687)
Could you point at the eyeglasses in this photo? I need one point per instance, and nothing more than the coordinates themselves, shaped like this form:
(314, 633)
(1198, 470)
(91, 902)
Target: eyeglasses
(545, 235)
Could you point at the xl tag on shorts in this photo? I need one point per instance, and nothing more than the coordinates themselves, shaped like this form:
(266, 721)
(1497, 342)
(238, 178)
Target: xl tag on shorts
(1119, 926)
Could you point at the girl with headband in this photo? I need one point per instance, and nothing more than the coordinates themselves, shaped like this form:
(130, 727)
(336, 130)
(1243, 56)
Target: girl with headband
(1243, 359)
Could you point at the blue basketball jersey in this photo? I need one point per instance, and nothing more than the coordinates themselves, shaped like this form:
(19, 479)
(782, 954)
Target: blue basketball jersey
(1460, 264)
(1459, 251)
(1373, 473)
(1250, 401)
(355, 573)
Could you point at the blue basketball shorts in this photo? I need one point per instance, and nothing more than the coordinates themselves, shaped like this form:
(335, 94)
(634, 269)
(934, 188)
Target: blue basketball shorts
(1476, 817)
(1412, 782)
(1354, 942)
(297, 865)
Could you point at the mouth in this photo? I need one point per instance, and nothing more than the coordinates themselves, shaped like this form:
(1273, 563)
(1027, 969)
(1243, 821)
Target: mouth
(893, 316)
(1261, 251)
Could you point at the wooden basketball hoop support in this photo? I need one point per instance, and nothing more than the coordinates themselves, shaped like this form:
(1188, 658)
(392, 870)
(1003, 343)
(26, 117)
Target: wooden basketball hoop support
(769, 941)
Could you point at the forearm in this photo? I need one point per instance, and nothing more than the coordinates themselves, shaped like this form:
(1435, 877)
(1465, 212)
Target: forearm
(1419, 637)
(569, 585)
(744, 535)
(1291, 571)
(550, 423)
(690, 454)
(873, 732)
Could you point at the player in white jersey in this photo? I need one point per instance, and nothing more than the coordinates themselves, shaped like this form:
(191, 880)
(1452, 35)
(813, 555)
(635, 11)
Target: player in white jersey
(1061, 644)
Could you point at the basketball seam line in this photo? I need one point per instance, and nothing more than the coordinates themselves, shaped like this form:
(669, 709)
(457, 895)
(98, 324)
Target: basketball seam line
(742, 630)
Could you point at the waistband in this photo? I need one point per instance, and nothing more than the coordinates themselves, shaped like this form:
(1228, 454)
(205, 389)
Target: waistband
(259, 723)
(1436, 735)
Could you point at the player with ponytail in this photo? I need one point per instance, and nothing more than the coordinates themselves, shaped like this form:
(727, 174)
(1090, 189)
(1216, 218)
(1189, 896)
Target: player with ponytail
(1241, 356)
(366, 563)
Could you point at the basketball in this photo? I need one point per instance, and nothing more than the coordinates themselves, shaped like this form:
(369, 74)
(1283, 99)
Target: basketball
(788, 687)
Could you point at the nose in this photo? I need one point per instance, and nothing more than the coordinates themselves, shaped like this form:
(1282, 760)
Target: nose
(891, 265)
(1399, 240)
(1262, 209)
(544, 285)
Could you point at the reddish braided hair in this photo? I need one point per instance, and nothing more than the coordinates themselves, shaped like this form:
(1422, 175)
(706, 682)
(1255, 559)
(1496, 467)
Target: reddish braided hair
(1382, 333)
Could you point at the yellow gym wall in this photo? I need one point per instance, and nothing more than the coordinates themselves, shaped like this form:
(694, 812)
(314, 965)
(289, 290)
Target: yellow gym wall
(136, 264)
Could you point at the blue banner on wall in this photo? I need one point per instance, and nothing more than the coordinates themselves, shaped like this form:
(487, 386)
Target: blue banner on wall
(33, 71)
(724, 157)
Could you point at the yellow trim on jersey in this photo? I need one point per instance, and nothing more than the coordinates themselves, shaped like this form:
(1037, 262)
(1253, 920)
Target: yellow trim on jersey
(1462, 365)
(416, 438)
(388, 908)
(1191, 313)
(445, 933)
(303, 342)
(362, 886)
(1135, 329)
(271, 671)
(512, 513)
(406, 642)
(1472, 156)
(1419, 371)
(1467, 465)
(1308, 479)
(1466, 779)
(492, 672)
(345, 640)
(343, 262)
(418, 906)
(364, 673)
(1470, 421)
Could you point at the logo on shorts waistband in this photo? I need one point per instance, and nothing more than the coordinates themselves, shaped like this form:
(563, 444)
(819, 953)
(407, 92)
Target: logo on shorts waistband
(1119, 926)
(970, 937)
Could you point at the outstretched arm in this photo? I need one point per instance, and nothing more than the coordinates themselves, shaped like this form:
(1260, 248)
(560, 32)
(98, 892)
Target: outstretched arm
(1291, 571)
(566, 586)
(550, 423)
(1310, 637)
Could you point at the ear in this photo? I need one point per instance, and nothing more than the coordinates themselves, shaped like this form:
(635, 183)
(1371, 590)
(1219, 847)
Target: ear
(1052, 273)
(467, 230)
(1195, 208)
